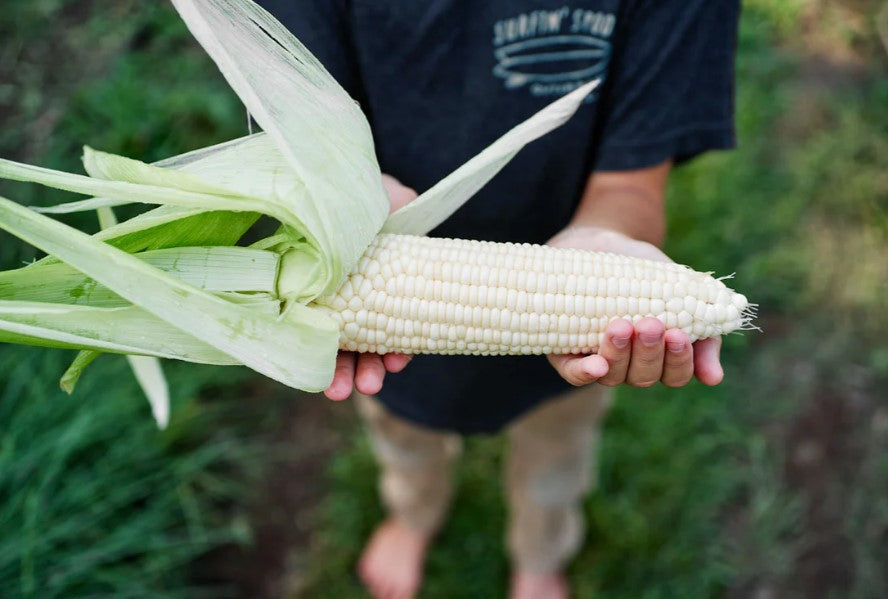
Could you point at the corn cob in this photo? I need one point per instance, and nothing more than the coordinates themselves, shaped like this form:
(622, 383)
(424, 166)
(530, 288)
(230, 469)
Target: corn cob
(415, 295)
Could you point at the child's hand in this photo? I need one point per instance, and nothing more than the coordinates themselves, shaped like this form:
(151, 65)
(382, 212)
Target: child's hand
(643, 354)
(365, 372)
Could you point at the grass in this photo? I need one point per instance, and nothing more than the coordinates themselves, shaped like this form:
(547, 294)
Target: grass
(772, 484)
(97, 502)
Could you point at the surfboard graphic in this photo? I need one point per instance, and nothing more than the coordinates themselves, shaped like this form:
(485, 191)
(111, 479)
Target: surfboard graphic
(551, 59)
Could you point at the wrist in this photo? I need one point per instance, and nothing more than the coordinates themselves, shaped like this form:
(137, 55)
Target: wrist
(592, 234)
(602, 239)
(628, 223)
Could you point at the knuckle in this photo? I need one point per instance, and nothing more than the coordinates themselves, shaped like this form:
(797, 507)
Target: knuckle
(644, 383)
(676, 381)
(575, 379)
(648, 359)
(680, 357)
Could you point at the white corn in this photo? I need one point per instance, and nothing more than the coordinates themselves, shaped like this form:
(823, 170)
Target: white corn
(416, 295)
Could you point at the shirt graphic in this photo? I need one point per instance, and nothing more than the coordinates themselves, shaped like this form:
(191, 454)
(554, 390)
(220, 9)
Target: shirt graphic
(552, 52)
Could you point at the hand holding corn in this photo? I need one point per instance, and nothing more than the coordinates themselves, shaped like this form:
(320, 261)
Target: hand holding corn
(365, 371)
(642, 354)
(639, 354)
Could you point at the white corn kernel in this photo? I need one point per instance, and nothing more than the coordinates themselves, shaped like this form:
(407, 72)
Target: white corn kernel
(415, 294)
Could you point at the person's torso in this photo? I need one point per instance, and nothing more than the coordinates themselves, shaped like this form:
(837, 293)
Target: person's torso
(443, 79)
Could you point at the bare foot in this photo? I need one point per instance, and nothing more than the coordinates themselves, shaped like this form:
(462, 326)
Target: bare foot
(391, 565)
(539, 586)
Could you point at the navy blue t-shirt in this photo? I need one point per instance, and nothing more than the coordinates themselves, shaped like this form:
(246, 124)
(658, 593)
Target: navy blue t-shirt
(441, 79)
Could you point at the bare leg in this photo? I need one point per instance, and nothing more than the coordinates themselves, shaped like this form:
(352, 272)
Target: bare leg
(551, 466)
(415, 486)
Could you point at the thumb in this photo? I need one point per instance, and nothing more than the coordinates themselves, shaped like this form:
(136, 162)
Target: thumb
(399, 194)
(707, 366)
(579, 370)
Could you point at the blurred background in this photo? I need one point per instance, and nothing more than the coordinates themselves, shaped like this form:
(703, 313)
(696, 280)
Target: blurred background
(772, 485)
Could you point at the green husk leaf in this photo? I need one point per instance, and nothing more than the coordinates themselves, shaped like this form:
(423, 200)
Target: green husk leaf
(120, 330)
(124, 330)
(284, 207)
(81, 206)
(147, 369)
(214, 268)
(134, 192)
(149, 374)
(101, 165)
(172, 226)
(218, 268)
(71, 376)
(277, 193)
(437, 204)
(320, 131)
(107, 218)
(297, 349)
